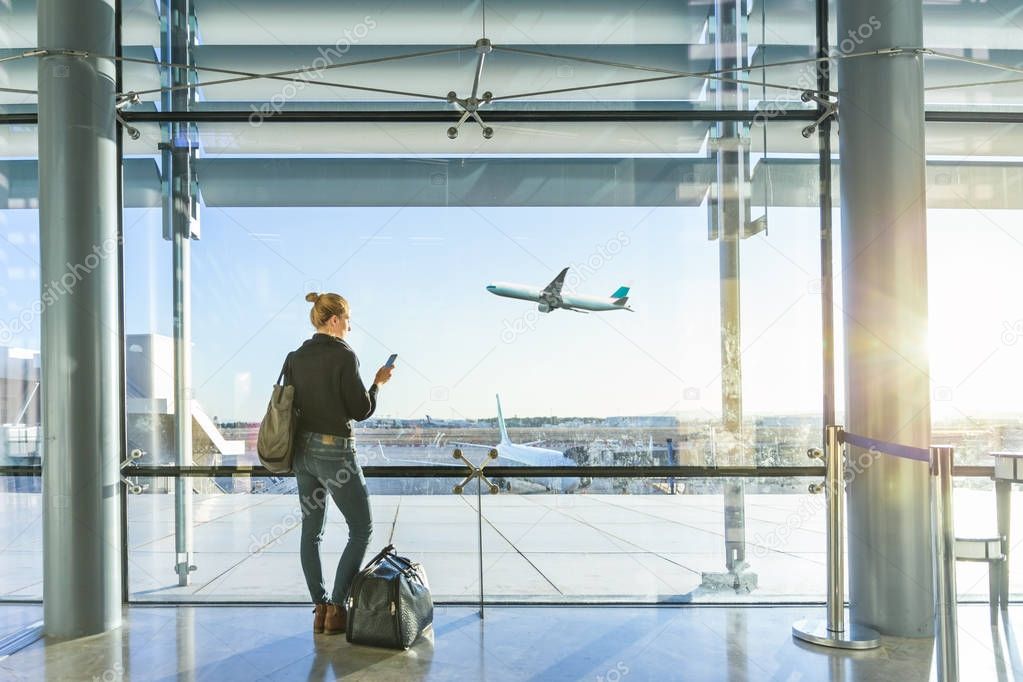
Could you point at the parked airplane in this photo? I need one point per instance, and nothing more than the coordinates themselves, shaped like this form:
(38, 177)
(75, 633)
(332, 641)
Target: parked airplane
(510, 454)
(551, 297)
(527, 454)
(447, 423)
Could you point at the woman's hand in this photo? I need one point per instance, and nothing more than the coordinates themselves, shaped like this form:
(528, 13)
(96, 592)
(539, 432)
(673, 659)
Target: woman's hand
(383, 375)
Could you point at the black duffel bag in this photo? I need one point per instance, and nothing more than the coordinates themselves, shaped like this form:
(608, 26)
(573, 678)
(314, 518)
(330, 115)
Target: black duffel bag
(389, 603)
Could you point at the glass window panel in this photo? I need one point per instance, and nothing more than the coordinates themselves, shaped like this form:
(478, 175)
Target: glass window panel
(413, 236)
(17, 36)
(539, 547)
(247, 531)
(645, 547)
(540, 60)
(974, 184)
(21, 538)
(20, 295)
(20, 373)
(978, 56)
(975, 39)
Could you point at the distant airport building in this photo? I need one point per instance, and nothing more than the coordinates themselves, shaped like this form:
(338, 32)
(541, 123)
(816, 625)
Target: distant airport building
(149, 366)
(642, 421)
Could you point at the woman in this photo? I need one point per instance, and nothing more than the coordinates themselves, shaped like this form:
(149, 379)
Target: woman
(329, 397)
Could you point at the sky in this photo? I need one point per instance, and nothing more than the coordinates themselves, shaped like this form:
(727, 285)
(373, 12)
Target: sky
(416, 281)
(416, 278)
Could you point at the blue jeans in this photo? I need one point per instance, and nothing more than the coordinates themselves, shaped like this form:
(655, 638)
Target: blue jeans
(324, 468)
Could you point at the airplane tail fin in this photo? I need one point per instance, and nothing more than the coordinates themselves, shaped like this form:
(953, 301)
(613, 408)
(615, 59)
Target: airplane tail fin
(500, 422)
(621, 297)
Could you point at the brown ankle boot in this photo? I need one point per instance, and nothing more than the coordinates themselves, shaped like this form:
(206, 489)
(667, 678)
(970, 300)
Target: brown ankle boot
(320, 615)
(336, 619)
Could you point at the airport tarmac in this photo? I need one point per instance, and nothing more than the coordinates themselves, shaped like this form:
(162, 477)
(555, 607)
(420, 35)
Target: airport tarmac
(536, 548)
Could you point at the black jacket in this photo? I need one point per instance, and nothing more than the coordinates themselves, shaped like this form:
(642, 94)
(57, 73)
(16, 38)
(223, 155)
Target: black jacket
(329, 393)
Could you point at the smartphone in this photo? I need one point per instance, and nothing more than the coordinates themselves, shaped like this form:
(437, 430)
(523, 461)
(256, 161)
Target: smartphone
(390, 360)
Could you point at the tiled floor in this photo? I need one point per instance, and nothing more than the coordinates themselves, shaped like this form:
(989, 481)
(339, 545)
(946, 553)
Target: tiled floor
(536, 547)
(609, 644)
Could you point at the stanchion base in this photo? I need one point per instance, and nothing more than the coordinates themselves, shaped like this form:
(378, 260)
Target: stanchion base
(852, 636)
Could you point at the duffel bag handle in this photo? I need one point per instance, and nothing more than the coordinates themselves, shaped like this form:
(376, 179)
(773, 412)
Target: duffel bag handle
(383, 553)
(405, 567)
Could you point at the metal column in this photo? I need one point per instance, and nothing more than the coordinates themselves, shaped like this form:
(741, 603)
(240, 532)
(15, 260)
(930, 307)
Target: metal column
(826, 230)
(884, 280)
(121, 370)
(180, 215)
(81, 336)
(729, 223)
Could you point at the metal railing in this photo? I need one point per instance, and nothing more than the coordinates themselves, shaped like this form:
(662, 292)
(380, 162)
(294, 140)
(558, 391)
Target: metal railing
(458, 471)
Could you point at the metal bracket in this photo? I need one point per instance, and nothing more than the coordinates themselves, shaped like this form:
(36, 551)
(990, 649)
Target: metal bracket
(896, 51)
(122, 102)
(184, 566)
(815, 453)
(475, 472)
(470, 105)
(829, 109)
(127, 99)
(43, 52)
(133, 132)
(133, 487)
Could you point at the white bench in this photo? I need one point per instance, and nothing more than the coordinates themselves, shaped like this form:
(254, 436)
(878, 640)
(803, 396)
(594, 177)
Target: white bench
(989, 550)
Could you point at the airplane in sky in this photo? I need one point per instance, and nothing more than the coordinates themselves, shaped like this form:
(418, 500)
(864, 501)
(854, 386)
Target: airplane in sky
(551, 297)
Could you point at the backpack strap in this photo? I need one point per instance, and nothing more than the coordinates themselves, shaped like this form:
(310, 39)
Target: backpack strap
(284, 370)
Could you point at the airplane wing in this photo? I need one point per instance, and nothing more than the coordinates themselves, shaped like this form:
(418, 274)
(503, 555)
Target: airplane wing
(575, 310)
(470, 445)
(556, 284)
(398, 461)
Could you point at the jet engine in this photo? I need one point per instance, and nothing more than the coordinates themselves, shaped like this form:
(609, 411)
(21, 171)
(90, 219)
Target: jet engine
(548, 302)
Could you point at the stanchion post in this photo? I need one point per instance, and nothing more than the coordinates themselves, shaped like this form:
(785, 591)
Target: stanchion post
(834, 482)
(835, 631)
(946, 647)
(479, 537)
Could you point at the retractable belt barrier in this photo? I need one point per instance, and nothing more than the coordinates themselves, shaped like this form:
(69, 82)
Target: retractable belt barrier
(893, 449)
(836, 630)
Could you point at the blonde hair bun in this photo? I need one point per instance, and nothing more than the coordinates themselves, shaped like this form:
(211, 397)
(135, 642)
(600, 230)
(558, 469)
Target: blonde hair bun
(326, 306)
